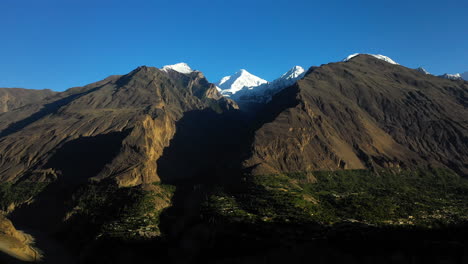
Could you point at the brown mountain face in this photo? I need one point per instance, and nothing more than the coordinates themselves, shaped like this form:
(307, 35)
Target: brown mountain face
(116, 128)
(12, 98)
(364, 113)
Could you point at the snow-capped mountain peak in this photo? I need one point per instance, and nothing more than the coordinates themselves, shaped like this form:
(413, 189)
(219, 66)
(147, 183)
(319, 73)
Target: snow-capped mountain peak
(455, 76)
(244, 87)
(293, 73)
(422, 70)
(378, 56)
(242, 79)
(179, 67)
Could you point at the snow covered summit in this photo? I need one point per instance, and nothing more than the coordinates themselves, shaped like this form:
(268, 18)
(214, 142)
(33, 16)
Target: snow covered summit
(378, 56)
(257, 91)
(287, 79)
(230, 85)
(294, 73)
(179, 67)
(455, 76)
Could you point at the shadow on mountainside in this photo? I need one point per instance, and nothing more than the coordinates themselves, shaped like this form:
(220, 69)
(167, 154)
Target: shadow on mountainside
(85, 157)
(77, 161)
(207, 148)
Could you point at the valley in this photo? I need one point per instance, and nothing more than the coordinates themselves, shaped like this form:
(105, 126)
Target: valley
(359, 161)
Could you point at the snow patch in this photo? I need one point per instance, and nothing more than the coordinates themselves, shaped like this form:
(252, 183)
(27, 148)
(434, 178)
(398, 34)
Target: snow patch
(224, 79)
(378, 56)
(179, 67)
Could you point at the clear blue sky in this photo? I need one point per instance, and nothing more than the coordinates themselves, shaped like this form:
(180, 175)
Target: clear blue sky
(60, 44)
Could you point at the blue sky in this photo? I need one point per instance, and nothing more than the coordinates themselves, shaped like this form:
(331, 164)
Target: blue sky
(66, 43)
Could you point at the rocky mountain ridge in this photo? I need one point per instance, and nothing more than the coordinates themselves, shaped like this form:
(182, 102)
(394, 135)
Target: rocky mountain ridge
(401, 117)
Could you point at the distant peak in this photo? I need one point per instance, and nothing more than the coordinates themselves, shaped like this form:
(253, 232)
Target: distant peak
(455, 76)
(378, 56)
(293, 73)
(238, 81)
(422, 70)
(181, 67)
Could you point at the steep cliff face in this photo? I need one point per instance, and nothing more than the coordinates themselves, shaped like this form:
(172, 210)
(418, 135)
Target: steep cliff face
(114, 128)
(363, 113)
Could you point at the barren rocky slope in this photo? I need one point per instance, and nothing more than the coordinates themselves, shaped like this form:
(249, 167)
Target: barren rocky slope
(116, 128)
(12, 98)
(364, 113)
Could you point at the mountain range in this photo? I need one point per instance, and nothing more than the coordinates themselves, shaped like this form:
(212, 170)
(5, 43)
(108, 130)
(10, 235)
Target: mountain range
(456, 76)
(262, 93)
(247, 89)
(162, 165)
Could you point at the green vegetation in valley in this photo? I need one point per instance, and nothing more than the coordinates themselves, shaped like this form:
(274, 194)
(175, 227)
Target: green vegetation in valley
(415, 197)
(271, 198)
(18, 193)
(424, 197)
(124, 213)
